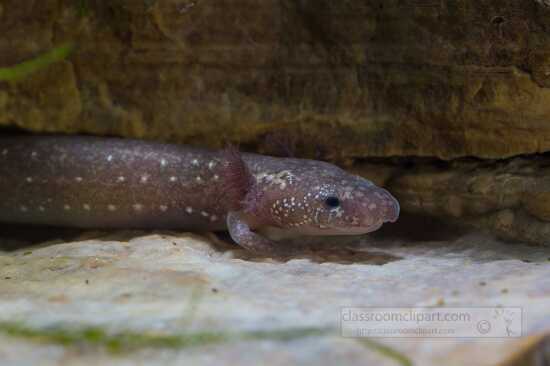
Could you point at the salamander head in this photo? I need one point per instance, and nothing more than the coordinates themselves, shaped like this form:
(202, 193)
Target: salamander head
(268, 197)
(316, 198)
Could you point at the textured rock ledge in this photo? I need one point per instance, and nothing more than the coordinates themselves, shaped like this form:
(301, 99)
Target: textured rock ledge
(510, 198)
(163, 285)
(352, 78)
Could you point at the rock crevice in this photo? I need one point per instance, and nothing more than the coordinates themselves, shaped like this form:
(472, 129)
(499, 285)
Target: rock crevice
(509, 197)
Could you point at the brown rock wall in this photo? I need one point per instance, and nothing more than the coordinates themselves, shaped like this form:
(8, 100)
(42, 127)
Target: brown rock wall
(381, 78)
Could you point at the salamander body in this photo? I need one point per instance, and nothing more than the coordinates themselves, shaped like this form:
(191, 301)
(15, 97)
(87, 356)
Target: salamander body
(93, 182)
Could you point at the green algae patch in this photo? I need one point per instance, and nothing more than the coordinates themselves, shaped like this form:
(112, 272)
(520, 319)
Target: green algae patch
(386, 351)
(125, 341)
(26, 68)
(118, 342)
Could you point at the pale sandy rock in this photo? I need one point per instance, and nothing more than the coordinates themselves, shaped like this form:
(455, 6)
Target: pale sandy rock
(173, 283)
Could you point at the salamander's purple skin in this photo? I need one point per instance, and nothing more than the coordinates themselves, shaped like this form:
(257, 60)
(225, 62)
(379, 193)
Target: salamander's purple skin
(92, 182)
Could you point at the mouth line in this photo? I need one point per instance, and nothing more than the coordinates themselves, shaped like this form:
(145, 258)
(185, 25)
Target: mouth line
(357, 230)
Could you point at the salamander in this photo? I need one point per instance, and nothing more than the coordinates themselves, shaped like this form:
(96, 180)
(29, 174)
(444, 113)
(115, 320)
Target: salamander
(103, 182)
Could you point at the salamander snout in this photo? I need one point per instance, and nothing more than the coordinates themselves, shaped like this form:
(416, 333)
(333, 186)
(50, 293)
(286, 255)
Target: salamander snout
(390, 206)
(379, 206)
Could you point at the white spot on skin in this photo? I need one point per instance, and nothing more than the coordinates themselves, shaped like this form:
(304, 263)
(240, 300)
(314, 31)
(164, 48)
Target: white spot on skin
(163, 208)
(204, 213)
(163, 162)
(173, 179)
(189, 209)
(87, 207)
(338, 212)
(316, 217)
(282, 179)
(144, 178)
(138, 207)
(111, 207)
(110, 158)
(198, 179)
(66, 207)
(121, 179)
(195, 162)
(347, 195)
(78, 179)
(29, 179)
(211, 164)
(216, 177)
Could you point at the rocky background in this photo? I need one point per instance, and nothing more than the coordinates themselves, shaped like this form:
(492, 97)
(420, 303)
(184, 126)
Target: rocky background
(345, 81)
(446, 103)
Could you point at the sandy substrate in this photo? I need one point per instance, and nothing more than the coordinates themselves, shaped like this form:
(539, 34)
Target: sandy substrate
(129, 297)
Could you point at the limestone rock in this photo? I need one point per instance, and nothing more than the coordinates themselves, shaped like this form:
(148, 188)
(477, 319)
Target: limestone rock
(147, 289)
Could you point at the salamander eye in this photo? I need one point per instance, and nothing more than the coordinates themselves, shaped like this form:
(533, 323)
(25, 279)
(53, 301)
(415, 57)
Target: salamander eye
(332, 201)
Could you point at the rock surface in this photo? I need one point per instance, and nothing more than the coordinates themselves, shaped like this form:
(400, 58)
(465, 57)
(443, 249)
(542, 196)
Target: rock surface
(349, 78)
(168, 283)
(510, 198)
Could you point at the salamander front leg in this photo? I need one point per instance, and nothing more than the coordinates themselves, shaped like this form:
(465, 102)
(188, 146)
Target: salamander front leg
(242, 234)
